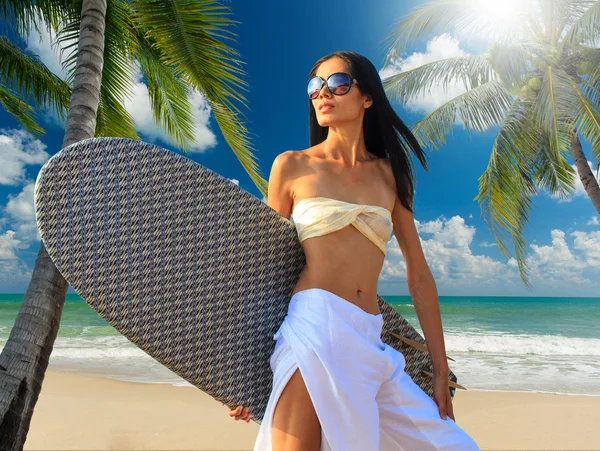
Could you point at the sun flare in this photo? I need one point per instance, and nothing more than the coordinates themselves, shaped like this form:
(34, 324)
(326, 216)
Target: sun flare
(503, 16)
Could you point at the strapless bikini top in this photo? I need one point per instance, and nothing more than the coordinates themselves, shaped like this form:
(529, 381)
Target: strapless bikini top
(316, 216)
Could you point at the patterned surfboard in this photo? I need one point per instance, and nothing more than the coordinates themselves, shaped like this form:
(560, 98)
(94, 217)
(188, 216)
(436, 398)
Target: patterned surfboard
(194, 270)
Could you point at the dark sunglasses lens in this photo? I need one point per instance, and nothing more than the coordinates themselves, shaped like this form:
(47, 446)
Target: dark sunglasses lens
(314, 86)
(339, 84)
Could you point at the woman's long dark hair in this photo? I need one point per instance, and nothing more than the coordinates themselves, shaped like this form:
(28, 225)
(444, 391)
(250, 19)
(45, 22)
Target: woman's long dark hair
(384, 132)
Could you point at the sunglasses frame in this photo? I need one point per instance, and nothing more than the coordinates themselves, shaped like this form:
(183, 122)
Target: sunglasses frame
(326, 82)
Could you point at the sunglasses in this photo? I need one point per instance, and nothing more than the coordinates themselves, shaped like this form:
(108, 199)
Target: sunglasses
(338, 83)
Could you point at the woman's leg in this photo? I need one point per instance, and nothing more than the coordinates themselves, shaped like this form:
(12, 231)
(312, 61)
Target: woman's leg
(333, 349)
(290, 420)
(295, 425)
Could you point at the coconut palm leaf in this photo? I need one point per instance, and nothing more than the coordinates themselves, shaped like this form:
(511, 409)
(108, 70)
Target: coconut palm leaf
(23, 72)
(437, 17)
(508, 181)
(510, 61)
(470, 70)
(189, 33)
(554, 174)
(478, 109)
(21, 16)
(553, 107)
(168, 92)
(586, 27)
(588, 117)
(555, 14)
(591, 80)
(431, 18)
(22, 111)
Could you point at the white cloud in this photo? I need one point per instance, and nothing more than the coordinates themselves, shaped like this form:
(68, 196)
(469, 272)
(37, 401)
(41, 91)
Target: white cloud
(44, 44)
(588, 243)
(448, 254)
(593, 221)
(14, 274)
(441, 47)
(8, 244)
(21, 233)
(572, 258)
(139, 107)
(19, 149)
(21, 211)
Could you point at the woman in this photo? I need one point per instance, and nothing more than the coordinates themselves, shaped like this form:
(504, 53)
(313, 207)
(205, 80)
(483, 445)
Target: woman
(336, 385)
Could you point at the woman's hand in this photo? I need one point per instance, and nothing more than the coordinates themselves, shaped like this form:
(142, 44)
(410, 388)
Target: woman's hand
(441, 395)
(240, 413)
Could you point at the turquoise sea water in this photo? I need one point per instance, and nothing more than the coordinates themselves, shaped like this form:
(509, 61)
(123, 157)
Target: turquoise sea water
(498, 343)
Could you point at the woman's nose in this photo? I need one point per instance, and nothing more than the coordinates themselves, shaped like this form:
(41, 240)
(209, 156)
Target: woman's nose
(324, 92)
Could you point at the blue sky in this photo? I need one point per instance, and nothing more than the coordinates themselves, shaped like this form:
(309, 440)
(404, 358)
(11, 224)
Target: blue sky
(279, 41)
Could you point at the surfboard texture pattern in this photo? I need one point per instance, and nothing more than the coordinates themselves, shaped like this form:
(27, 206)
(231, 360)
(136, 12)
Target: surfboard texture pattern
(192, 269)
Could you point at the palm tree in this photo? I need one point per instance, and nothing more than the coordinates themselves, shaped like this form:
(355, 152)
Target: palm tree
(539, 83)
(177, 47)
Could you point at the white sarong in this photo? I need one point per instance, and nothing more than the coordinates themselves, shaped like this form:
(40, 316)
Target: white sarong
(362, 396)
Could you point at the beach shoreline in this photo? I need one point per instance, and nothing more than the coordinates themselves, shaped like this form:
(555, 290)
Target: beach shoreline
(85, 412)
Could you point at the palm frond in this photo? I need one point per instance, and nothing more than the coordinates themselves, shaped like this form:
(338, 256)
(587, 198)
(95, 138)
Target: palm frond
(508, 181)
(479, 109)
(554, 174)
(21, 16)
(588, 117)
(168, 93)
(592, 56)
(437, 17)
(470, 70)
(557, 15)
(510, 61)
(586, 29)
(188, 32)
(22, 71)
(112, 119)
(553, 108)
(235, 134)
(21, 111)
(426, 19)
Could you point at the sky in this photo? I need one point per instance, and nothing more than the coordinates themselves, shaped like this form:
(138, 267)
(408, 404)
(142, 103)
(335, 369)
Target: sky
(279, 42)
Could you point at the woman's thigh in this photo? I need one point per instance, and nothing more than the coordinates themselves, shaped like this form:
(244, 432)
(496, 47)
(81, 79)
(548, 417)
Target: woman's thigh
(295, 423)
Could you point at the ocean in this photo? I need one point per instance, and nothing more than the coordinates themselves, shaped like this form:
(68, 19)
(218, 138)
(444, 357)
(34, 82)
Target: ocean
(536, 344)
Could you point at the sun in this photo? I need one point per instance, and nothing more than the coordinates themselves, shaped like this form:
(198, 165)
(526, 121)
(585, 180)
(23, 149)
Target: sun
(501, 17)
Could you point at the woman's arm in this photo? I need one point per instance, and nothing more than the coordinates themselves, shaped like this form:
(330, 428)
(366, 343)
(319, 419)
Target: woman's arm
(423, 292)
(279, 193)
(421, 286)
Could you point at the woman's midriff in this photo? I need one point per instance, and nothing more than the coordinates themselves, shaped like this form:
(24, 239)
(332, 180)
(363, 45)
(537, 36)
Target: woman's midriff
(364, 298)
(345, 263)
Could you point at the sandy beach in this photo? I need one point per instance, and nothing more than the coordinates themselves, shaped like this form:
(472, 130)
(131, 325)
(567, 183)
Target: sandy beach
(94, 413)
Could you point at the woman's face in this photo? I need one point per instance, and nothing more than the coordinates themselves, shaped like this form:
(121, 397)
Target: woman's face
(345, 108)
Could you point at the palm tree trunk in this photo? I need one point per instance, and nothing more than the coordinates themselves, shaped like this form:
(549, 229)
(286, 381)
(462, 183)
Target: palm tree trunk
(590, 184)
(24, 359)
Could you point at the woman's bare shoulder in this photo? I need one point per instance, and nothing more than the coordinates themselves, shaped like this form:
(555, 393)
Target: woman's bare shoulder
(296, 159)
(388, 173)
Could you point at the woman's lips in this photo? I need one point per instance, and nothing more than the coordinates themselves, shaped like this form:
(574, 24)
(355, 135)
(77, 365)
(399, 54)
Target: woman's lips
(327, 108)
